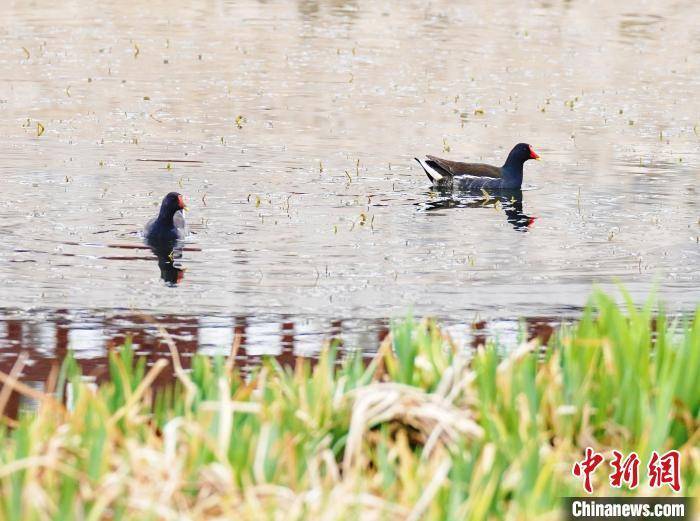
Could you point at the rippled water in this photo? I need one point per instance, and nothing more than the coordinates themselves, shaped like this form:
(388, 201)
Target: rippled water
(299, 122)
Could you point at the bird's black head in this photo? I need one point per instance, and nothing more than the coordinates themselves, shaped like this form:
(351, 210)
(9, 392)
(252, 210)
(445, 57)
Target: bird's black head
(171, 204)
(522, 152)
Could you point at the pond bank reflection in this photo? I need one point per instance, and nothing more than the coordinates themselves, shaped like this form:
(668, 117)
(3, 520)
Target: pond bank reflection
(47, 337)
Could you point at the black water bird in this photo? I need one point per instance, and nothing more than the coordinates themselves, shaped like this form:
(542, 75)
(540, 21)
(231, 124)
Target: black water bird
(454, 175)
(170, 224)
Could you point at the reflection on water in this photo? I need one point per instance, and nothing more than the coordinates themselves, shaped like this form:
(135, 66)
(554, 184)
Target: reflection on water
(640, 26)
(508, 201)
(295, 153)
(91, 334)
(169, 262)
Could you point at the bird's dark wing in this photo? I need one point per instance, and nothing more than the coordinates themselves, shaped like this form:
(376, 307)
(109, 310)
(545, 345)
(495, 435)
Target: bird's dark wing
(455, 168)
(469, 183)
(149, 226)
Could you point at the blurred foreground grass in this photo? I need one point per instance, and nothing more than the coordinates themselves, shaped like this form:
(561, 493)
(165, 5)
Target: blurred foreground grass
(423, 431)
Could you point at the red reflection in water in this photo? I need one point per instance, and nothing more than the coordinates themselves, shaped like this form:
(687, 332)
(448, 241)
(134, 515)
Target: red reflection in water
(92, 337)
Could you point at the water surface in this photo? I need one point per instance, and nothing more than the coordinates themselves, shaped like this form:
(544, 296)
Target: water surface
(291, 128)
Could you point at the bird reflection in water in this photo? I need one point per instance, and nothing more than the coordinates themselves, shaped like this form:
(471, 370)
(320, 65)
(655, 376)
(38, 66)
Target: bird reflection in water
(510, 201)
(169, 254)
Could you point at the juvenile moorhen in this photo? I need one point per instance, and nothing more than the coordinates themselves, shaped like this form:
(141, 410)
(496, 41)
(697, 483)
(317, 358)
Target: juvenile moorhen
(474, 176)
(169, 226)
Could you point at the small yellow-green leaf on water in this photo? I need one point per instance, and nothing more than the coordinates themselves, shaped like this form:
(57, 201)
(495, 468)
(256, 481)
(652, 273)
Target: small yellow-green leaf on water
(137, 51)
(222, 140)
(335, 228)
(39, 129)
(240, 120)
(68, 91)
(102, 163)
(27, 55)
(146, 98)
(257, 201)
(630, 122)
(320, 167)
(169, 166)
(478, 112)
(620, 111)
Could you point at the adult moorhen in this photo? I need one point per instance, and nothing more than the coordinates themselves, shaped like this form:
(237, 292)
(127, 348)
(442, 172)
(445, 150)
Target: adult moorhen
(169, 226)
(475, 176)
